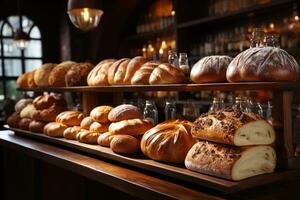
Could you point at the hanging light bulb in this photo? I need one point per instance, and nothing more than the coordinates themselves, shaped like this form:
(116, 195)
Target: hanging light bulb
(85, 15)
(21, 39)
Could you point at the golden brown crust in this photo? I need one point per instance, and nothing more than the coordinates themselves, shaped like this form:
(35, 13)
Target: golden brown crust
(124, 112)
(124, 144)
(24, 123)
(71, 132)
(47, 115)
(54, 129)
(111, 75)
(134, 64)
(77, 74)
(46, 101)
(99, 127)
(28, 111)
(99, 75)
(89, 137)
(100, 114)
(121, 72)
(57, 74)
(142, 75)
(41, 75)
(70, 118)
(22, 81)
(130, 127)
(105, 139)
(86, 123)
(13, 120)
(37, 126)
(30, 79)
(166, 74)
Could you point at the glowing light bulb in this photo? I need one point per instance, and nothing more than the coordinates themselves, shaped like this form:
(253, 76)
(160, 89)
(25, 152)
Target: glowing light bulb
(85, 14)
(173, 13)
(163, 44)
(161, 51)
(272, 26)
(296, 18)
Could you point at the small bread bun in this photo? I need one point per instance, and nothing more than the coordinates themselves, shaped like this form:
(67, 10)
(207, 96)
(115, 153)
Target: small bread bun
(86, 123)
(105, 139)
(13, 120)
(71, 132)
(86, 136)
(54, 129)
(100, 114)
(37, 126)
(70, 118)
(124, 112)
(98, 127)
(22, 104)
(124, 144)
(28, 111)
(24, 123)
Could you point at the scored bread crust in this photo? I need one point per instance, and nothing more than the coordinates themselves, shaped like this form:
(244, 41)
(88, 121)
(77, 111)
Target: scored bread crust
(71, 132)
(70, 118)
(77, 74)
(100, 114)
(124, 112)
(88, 137)
(134, 64)
(58, 73)
(99, 74)
(142, 75)
(86, 122)
(167, 73)
(130, 127)
(99, 127)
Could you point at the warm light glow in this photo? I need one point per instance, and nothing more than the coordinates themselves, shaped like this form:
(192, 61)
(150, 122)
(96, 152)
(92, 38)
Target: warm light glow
(85, 18)
(144, 49)
(85, 14)
(296, 18)
(163, 44)
(21, 44)
(272, 26)
(173, 13)
(161, 51)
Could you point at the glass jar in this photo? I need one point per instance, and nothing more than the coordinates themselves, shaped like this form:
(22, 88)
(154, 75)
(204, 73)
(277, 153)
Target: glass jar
(241, 104)
(170, 110)
(272, 40)
(255, 107)
(258, 36)
(173, 58)
(190, 111)
(218, 104)
(150, 112)
(184, 63)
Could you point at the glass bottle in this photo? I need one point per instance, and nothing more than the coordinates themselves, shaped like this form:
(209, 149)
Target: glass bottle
(258, 36)
(184, 63)
(269, 115)
(241, 104)
(173, 58)
(150, 111)
(170, 110)
(272, 40)
(255, 107)
(218, 104)
(190, 111)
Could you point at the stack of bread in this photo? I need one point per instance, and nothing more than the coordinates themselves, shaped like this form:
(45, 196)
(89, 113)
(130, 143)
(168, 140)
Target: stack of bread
(232, 144)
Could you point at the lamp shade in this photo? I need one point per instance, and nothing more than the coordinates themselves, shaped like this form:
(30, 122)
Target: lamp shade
(21, 39)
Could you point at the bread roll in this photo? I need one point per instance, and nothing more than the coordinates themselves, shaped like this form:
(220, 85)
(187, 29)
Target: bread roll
(263, 64)
(168, 142)
(48, 114)
(230, 162)
(89, 137)
(71, 132)
(41, 75)
(46, 101)
(100, 114)
(130, 127)
(233, 127)
(99, 127)
(28, 111)
(142, 75)
(22, 81)
(77, 74)
(22, 103)
(24, 123)
(54, 129)
(13, 120)
(30, 79)
(105, 139)
(37, 126)
(70, 118)
(58, 73)
(124, 112)
(166, 73)
(124, 144)
(86, 123)
(210, 69)
(98, 75)
(135, 64)
(117, 70)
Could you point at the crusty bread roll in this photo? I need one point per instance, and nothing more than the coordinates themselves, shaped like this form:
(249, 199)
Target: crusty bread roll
(24, 123)
(22, 81)
(86, 136)
(124, 112)
(142, 75)
(71, 132)
(168, 142)
(124, 144)
(22, 103)
(70, 118)
(134, 64)
(99, 127)
(77, 74)
(46, 101)
(58, 73)
(166, 73)
(130, 127)
(13, 120)
(230, 162)
(210, 69)
(233, 127)
(30, 79)
(98, 75)
(48, 114)
(100, 114)
(28, 111)
(263, 64)
(116, 71)
(54, 129)
(37, 126)
(86, 123)
(105, 139)
(41, 75)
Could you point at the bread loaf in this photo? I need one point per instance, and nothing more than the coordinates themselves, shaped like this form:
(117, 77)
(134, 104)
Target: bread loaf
(86, 136)
(28, 111)
(48, 114)
(105, 139)
(263, 64)
(70, 118)
(41, 75)
(100, 114)
(98, 75)
(24, 123)
(30, 79)
(135, 64)
(22, 81)
(13, 120)
(54, 129)
(142, 75)
(166, 73)
(77, 74)
(58, 73)
(124, 144)
(46, 101)
(37, 126)
(130, 127)
(86, 123)
(22, 103)
(99, 127)
(71, 132)
(168, 142)
(233, 127)
(230, 162)
(210, 69)
(117, 72)
(124, 112)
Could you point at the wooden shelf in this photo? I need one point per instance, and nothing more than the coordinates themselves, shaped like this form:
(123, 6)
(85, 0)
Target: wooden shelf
(153, 34)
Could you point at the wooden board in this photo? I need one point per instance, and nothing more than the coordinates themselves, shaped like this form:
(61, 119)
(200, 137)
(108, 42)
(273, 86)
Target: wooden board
(175, 87)
(173, 171)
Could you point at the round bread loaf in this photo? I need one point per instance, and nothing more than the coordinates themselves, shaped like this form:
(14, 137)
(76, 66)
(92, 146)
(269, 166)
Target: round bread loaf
(70, 118)
(37, 126)
(46, 101)
(48, 114)
(124, 144)
(28, 111)
(117, 70)
(13, 120)
(86, 123)
(54, 129)
(22, 81)
(86, 136)
(41, 75)
(263, 64)
(24, 123)
(168, 142)
(142, 75)
(77, 74)
(58, 73)
(71, 132)
(30, 79)
(105, 139)
(210, 69)
(124, 112)
(99, 127)
(98, 75)
(100, 114)
(133, 65)
(22, 103)
(166, 74)
(130, 127)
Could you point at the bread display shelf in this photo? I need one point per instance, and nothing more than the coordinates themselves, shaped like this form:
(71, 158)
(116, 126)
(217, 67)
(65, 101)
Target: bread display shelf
(174, 87)
(176, 172)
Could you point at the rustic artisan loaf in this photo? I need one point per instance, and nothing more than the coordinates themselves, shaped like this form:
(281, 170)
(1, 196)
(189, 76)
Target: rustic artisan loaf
(28, 111)
(230, 162)
(86, 123)
(210, 69)
(134, 64)
(99, 127)
(105, 139)
(124, 112)
(167, 73)
(30, 79)
(46, 101)
(142, 75)
(233, 127)
(24, 123)
(48, 114)
(13, 120)
(71, 132)
(77, 74)
(37, 126)
(263, 64)
(168, 142)
(86, 136)
(41, 75)
(130, 127)
(100, 114)
(98, 75)
(54, 129)
(124, 144)
(22, 103)
(117, 71)
(58, 73)
(70, 118)
(22, 81)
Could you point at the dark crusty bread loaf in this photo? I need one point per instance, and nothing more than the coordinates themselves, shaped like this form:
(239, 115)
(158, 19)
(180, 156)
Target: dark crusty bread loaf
(37, 126)
(58, 73)
(13, 120)
(77, 74)
(230, 162)
(46, 101)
